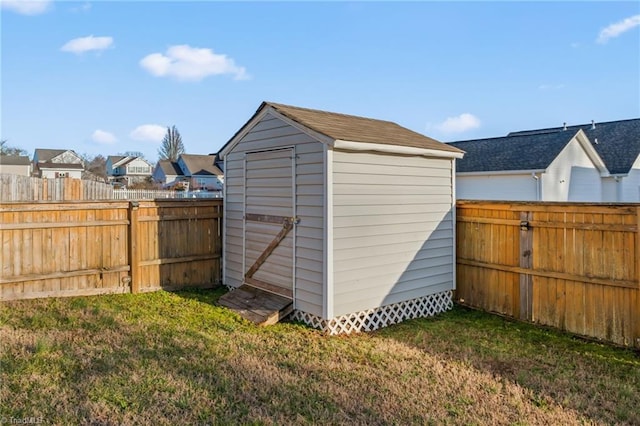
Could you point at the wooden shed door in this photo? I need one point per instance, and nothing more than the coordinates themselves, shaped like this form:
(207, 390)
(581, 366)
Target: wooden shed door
(269, 220)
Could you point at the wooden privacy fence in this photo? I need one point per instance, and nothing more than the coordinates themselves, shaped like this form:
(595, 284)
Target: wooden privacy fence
(24, 188)
(86, 248)
(570, 266)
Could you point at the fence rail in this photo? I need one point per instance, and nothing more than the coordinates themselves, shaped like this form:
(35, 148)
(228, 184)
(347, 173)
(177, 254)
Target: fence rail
(570, 266)
(86, 248)
(24, 188)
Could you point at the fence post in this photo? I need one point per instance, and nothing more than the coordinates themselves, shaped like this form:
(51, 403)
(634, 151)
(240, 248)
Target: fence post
(526, 262)
(134, 255)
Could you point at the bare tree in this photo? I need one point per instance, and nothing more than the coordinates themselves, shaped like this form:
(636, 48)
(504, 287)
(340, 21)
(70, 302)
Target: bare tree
(172, 146)
(95, 168)
(132, 154)
(10, 150)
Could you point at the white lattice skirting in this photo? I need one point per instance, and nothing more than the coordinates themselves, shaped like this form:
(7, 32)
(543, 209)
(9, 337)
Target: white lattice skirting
(372, 319)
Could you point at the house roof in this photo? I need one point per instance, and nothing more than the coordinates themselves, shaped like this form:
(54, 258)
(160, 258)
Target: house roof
(123, 160)
(170, 168)
(201, 165)
(14, 160)
(517, 152)
(47, 154)
(352, 128)
(66, 166)
(116, 158)
(617, 142)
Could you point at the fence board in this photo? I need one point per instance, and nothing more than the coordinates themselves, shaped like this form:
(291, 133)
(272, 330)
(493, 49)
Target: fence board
(583, 274)
(80, 248)
(24, 188)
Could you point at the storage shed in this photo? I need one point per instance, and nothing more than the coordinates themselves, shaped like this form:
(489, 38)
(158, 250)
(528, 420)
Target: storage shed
(351, 218)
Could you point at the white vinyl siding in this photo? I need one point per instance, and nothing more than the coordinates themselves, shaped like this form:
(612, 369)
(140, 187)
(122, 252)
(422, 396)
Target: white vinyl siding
(139, 167)
(268, 134)
(14, 169)
(630, 185)
(513, 187)
(572, 176)
(610, 189)
(392, 229)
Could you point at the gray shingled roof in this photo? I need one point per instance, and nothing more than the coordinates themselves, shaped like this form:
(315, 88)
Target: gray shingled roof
(14, 160)
(48, 154)
(115, 158)
(618, 142)
(354, 129)
(201, 165)
(520, 152)
(170, 168)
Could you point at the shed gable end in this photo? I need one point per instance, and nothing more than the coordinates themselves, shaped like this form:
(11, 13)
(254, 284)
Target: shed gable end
(268, 132)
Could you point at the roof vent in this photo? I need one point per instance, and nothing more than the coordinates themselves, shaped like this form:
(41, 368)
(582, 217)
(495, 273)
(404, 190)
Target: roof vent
(596, 141)
(564, 126)
(593, 124)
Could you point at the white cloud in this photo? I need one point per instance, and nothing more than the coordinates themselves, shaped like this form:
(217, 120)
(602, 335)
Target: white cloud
(102, 137)
(148, 132)
(614, 30)
(85, 44)
(85, 7)
(551, 86)
(459, 124)
(27, 7)
(191, 63)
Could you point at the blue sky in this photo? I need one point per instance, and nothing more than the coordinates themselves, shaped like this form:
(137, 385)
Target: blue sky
(108, 77)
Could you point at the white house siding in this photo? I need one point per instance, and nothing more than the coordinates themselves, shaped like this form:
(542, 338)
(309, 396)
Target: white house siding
(67, 157)
(514, 187)
(16, 169)
(609, 189)
(272, 133)
(54, 173)
(630, 184)
(138, 167)
(160, 177)
(572, 176)
(392, 229)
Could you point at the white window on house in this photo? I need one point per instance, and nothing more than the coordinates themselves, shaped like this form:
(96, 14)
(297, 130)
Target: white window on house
(139, 169)
(62, 174)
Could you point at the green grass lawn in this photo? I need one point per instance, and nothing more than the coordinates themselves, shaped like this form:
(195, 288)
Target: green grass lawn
(173, 358)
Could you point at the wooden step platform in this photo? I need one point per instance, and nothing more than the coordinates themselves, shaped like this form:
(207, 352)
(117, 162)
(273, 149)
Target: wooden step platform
(258, 306)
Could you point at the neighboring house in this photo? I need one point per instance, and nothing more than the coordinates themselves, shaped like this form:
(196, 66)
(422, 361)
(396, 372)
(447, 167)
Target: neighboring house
(57, 163)
(201, 172)
(15, 165)
(195, 172)
(590, 162)
(127, 170)
(167, 173)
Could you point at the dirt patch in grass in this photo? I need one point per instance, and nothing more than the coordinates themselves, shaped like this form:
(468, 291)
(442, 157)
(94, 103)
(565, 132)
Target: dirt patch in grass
(165, 358)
